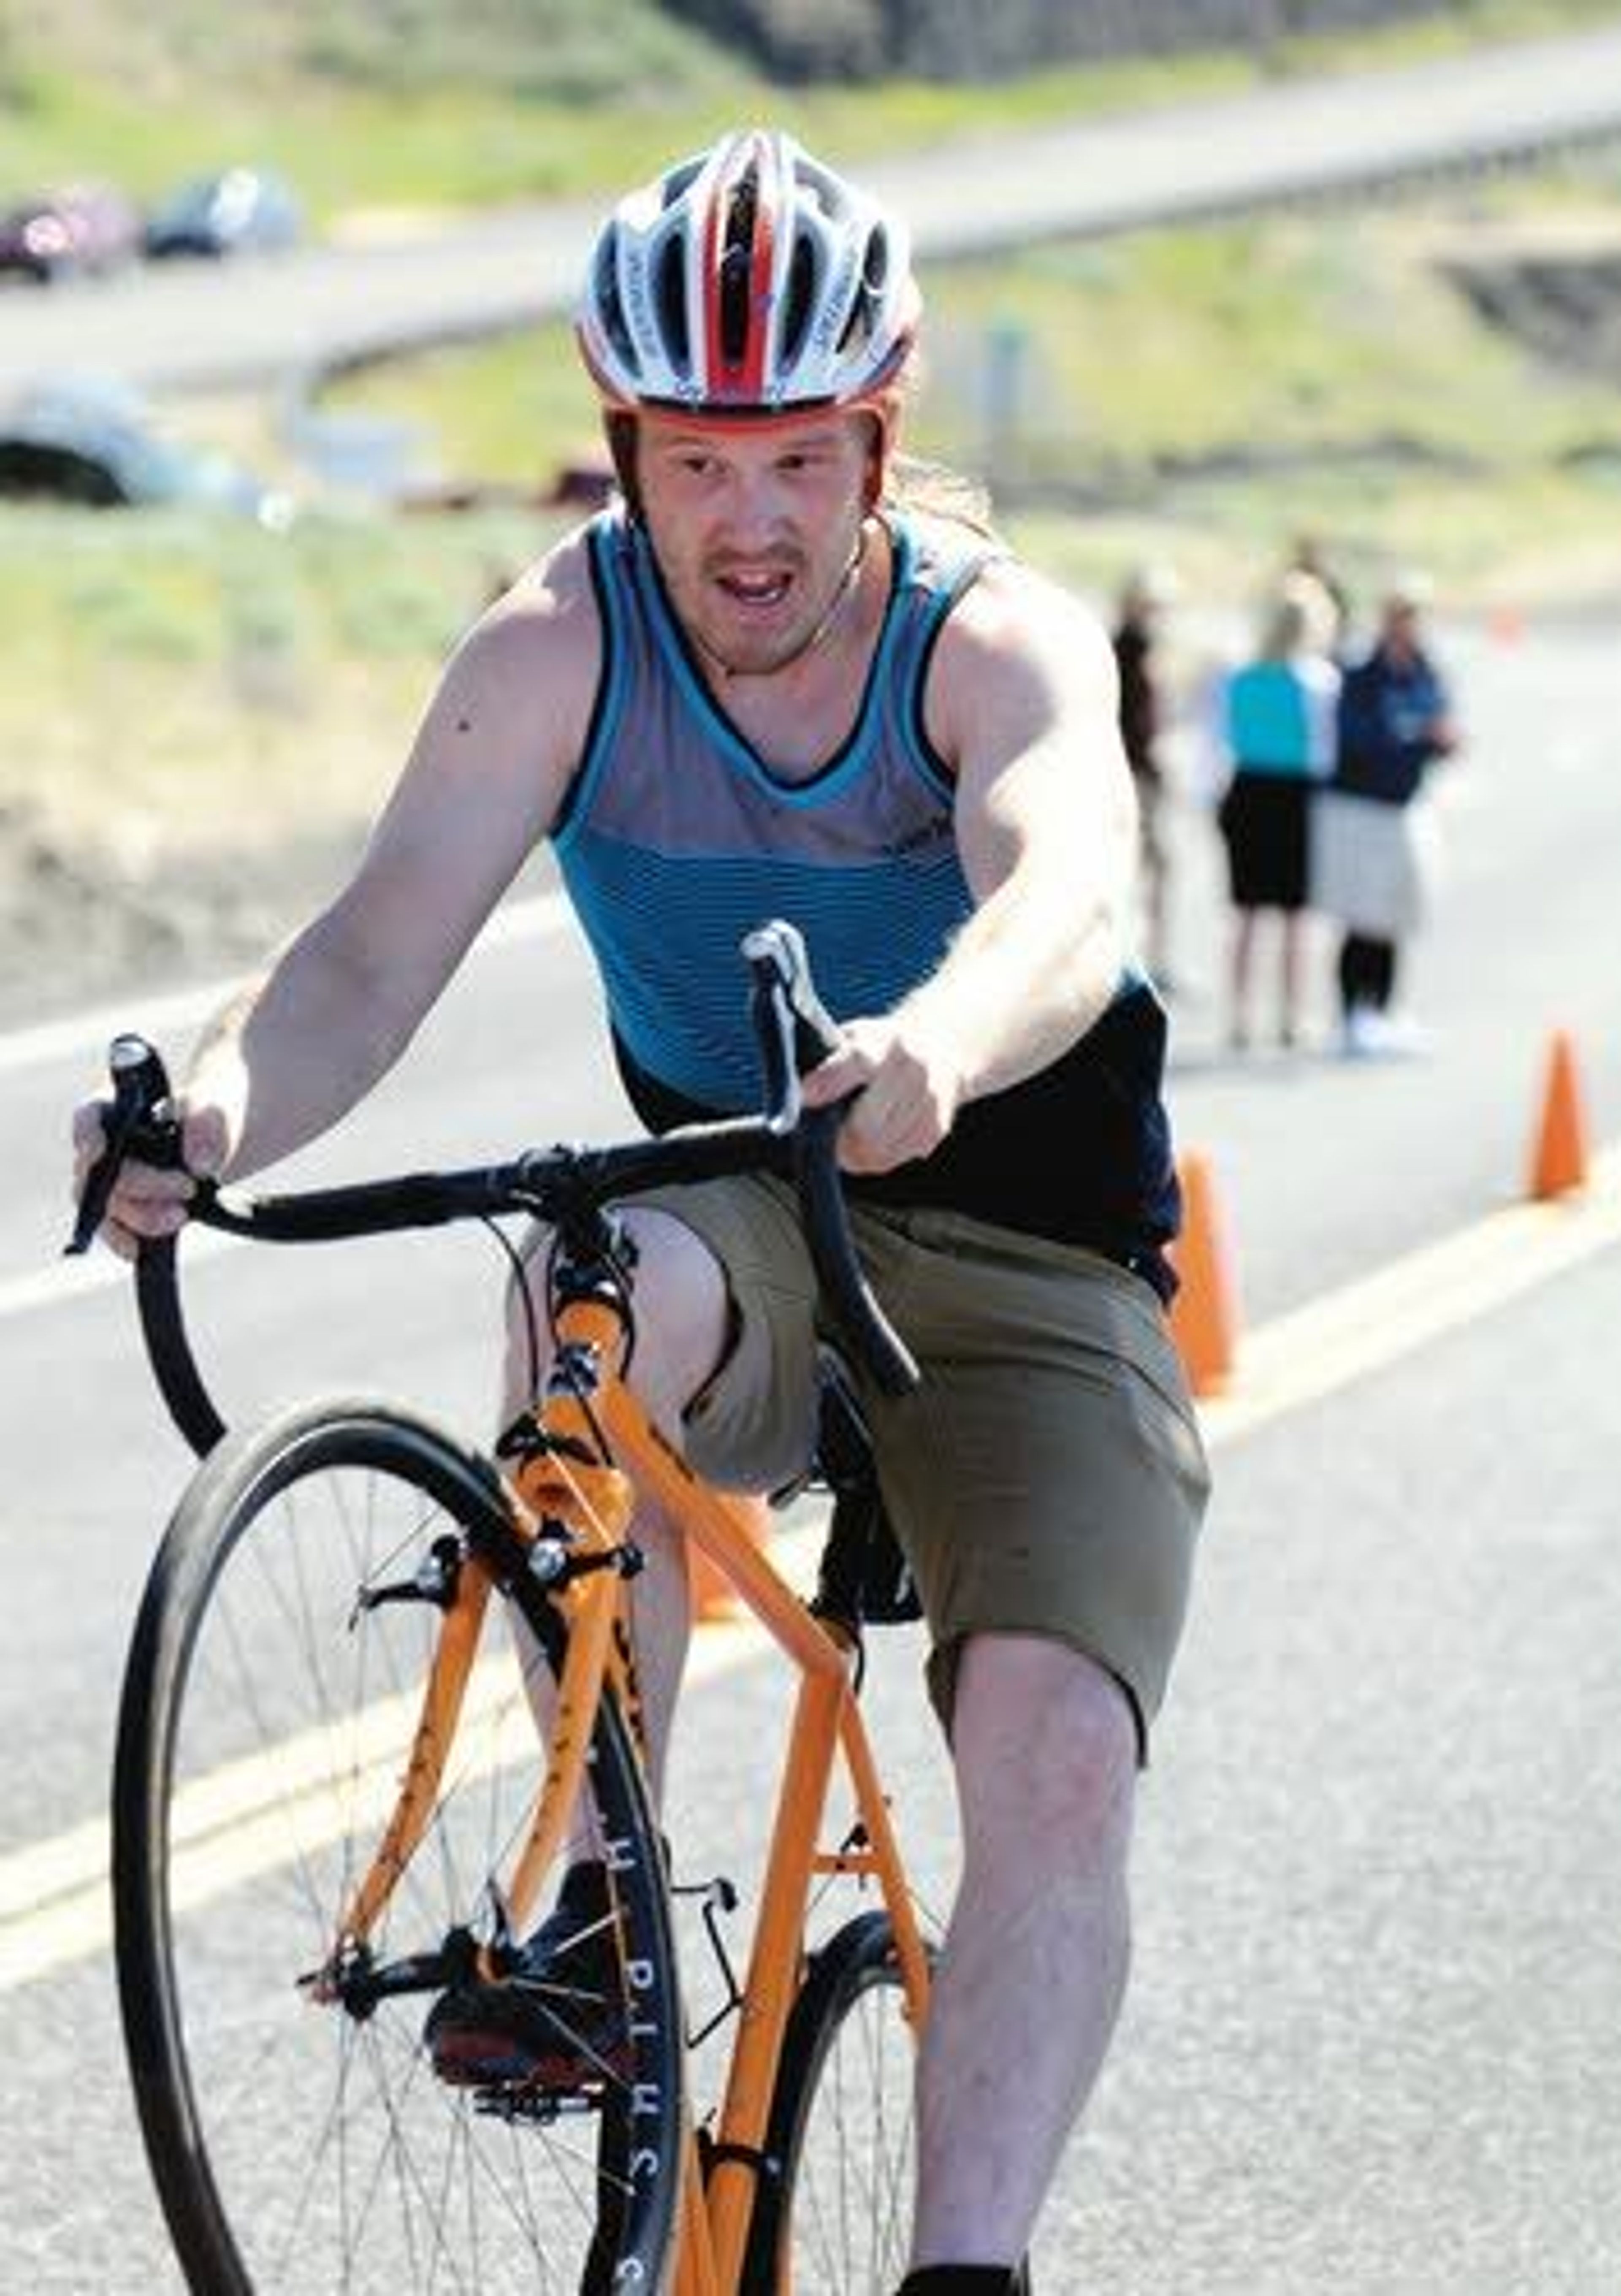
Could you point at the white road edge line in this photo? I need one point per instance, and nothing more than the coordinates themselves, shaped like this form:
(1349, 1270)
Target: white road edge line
(55, 1905)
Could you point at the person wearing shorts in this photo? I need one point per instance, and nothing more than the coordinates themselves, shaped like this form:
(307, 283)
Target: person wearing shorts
(1051, 1399)
(780, 678)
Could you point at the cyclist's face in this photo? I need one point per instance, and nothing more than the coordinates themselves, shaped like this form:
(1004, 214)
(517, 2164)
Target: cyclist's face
(754, 533)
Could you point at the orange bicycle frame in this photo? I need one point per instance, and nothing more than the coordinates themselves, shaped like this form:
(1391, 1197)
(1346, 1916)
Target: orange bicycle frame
(594, 1504)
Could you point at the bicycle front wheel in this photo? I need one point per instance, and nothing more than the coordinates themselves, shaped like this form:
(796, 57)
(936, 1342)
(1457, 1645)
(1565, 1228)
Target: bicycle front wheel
(833, 2213)
(298, 2134)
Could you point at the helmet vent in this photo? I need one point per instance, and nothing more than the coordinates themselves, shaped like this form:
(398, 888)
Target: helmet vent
(736, 267)
(670, 294)
(867, 301)
(799, 298)
(605, 295)
(678, 183)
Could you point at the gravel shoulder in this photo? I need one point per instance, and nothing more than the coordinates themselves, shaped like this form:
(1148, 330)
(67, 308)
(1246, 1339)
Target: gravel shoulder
(80, 926)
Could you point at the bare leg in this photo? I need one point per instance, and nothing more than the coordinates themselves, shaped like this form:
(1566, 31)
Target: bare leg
(1294, 932)
(681, 1329)
(1035, 1962)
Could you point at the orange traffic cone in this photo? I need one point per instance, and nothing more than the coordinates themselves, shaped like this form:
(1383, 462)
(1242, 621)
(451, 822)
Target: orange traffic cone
(713, 1596)
(1559, 1155)
(1204, 1314)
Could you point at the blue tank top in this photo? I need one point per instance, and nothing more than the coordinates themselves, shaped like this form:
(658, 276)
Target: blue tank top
(676, 839)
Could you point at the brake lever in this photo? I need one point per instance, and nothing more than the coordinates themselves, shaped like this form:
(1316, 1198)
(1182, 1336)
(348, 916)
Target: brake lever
(796, 1031)
(138, 1118)
(794, 1027)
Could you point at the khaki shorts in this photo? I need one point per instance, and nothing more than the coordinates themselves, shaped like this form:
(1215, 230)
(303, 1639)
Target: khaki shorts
(1047, 1477)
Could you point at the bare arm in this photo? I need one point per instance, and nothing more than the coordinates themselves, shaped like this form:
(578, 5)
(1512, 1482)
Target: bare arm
(482, 785)
(1022, 703)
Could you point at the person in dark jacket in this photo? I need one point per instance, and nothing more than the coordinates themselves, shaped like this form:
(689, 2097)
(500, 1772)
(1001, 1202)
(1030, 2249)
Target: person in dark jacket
(1372, 861)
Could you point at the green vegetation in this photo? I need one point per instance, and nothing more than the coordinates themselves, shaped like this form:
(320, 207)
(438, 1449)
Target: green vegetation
(402, 104)
(1232, 382)
(170, 676)
(1199, 395)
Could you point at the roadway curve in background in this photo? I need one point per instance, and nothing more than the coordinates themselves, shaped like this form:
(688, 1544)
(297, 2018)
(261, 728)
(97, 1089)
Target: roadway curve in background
(284, 321)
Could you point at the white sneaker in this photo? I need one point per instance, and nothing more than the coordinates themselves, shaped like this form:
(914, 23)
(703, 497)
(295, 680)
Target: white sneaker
(1401, 1038)
(1373, 1035)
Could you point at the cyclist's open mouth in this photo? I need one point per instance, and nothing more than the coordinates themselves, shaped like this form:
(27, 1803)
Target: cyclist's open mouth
(755, 591)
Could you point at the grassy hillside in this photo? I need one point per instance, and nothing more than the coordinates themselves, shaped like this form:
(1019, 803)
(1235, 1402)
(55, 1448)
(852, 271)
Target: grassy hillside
(1195, 396)
(964, 40)
(407, 102)
(1227, 382)
(398, 99)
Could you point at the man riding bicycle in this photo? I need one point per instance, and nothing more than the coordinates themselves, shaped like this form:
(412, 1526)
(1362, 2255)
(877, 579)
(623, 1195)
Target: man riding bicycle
(775, 678)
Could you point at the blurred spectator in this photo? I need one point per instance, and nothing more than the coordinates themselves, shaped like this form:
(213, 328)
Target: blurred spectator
(1309, 557)
(1277, 715)
(1144, 715)
(1373, 834)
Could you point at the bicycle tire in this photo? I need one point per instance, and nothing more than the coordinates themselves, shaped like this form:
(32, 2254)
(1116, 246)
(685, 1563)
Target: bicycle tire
(833, 2210)
(297, 2145)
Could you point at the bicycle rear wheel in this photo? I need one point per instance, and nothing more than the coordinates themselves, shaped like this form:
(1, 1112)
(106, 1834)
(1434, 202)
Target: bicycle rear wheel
(834, 2216)
(304, 2144)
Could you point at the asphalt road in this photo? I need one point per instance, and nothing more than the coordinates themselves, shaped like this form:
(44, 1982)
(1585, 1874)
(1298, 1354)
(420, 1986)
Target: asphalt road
(1370, 2043)
(177, 328)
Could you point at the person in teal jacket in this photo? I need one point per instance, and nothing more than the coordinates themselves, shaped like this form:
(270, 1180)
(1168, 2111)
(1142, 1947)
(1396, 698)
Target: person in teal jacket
(1278, 719)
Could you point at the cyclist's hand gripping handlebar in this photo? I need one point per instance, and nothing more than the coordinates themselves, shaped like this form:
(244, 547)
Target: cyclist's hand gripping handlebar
(136, 1121)
(140, 1122)
(795, 1031)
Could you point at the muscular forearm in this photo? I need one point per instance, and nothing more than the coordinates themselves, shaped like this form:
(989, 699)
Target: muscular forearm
(1021, 983)
(294, 1053)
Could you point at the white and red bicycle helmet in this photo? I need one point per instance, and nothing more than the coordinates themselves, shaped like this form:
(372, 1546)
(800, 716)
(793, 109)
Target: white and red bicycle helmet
(750, 280)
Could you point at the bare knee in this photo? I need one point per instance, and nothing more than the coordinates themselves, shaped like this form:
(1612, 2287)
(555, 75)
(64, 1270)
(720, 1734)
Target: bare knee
(680, 1319)
(1044, 1742)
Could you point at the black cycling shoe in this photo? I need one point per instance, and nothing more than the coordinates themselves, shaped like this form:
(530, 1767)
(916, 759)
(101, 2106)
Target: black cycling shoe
(557, 2021)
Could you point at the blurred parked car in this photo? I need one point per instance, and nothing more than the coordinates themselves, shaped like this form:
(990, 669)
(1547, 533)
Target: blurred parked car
(241, 209)
(82, 228)
(90, 439)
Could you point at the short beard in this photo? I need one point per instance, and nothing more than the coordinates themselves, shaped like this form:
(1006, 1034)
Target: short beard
(796, 650)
